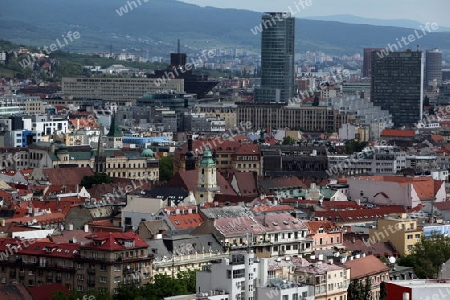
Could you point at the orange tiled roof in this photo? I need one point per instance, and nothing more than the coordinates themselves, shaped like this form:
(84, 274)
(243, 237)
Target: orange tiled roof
(397, 133)
(45, 219)
(184, 219)
(248, 149)
(437, 138)
(314, 226)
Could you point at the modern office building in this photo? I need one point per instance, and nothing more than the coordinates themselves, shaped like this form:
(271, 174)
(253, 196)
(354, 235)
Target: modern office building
(181, 68)
(120, 90)
(279, 115)
(397, 85)
(367, 62)
(277, 58)
(364, 110)
(178, 102)
(353, 87)
(433, 67)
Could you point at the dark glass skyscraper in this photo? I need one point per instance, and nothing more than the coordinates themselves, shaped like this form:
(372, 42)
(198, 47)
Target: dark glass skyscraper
(277, 58)
(397, 85)
(367, 63)
(433, 67)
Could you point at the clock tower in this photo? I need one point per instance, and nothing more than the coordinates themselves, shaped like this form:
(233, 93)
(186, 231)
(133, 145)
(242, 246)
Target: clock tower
(207, 179)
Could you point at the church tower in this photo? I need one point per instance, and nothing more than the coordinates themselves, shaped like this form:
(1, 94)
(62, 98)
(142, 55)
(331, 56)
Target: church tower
(114, 135)
(100, 157)
(191, 161)
(207, 180)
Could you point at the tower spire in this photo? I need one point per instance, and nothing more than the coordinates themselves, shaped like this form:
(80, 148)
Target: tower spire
(100, 158)
(114, 134)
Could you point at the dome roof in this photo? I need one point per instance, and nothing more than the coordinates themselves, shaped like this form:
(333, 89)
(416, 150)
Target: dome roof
(148, 153)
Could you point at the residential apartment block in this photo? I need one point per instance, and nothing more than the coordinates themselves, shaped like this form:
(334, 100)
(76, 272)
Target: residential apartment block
(400, 230)
(107, 260)
(377, 160)
(369, 267)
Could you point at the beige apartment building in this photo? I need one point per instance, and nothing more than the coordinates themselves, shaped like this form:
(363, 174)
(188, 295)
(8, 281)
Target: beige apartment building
(122, 163)
(400, 230)
(34, 107)
(329, 281)
(224, 111)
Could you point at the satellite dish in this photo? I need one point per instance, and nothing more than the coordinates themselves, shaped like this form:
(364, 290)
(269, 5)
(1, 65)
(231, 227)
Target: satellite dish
(392, 260)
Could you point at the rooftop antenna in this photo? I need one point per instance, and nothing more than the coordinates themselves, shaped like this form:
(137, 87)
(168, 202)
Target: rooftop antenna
(178, 46)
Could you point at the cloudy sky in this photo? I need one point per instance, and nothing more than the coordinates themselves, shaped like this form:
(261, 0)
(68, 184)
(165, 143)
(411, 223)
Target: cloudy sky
(419, 10)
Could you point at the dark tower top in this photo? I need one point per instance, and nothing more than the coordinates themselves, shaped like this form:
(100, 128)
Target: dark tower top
(114, 130)
(190, 156)
(100, 158)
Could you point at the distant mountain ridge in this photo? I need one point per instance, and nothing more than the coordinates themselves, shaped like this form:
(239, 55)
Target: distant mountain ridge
(154, 26)
(351, 19)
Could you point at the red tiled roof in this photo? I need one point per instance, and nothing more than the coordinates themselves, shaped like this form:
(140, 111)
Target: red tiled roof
(247, 183)
(118, 187)
(26, 173)
(45, 219)
(112, 241)
(442, 205)
(355, 242)
(63, 206)
(45, 249)
(314, 226)
(60, 107)
(331, 205)
(84, 122)
(437, 138)
(397, 133)
(45, 292)
(68, 236)
(365, 266)
(216, 145)
(67, 176)
(101, 223)
(184, 219)
(360, 215)
(248, 149)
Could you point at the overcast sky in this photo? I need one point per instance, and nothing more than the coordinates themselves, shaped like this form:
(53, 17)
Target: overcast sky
(419, 10)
